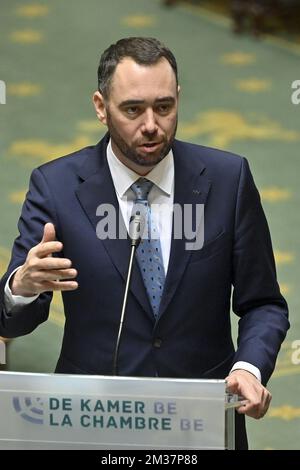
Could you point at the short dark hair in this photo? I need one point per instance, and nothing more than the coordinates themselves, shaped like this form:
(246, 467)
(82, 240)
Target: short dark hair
(144, 51)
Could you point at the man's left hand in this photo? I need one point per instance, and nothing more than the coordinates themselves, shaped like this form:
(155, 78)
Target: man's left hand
(245, 384)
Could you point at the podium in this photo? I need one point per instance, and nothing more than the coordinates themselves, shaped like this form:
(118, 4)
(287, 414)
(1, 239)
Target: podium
(57, 411)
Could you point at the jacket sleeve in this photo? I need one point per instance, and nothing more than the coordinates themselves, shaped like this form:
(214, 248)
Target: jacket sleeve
(36, 211)
(256, 300)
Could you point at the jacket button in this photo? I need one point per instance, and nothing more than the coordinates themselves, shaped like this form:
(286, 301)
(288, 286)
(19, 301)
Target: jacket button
(157, 342)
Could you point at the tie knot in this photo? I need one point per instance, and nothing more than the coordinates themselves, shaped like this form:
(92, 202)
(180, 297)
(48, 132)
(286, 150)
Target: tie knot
(141, 189)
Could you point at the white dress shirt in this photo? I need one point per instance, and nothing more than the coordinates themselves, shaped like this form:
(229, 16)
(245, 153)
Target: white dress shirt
(161, 195)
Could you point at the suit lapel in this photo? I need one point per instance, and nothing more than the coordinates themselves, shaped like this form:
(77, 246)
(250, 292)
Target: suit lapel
(191, 187)
(96, 189)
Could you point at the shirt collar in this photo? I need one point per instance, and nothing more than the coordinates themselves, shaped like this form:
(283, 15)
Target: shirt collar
(162, 175)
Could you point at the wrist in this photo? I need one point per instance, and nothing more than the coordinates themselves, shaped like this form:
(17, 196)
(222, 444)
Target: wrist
(243, 372)
(16, 287)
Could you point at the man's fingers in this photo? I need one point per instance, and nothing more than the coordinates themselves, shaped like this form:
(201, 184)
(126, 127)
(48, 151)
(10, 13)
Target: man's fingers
(256, 408)
(60, 285)
(250, 409)
(257, 397)
(45, 249)
(49, 233)
(266, 403)
(50, 263)
(232, 384)
(53, 275)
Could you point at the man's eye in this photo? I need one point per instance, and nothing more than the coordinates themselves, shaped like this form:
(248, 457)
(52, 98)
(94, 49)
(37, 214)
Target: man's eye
(164, 108)
(132, 110)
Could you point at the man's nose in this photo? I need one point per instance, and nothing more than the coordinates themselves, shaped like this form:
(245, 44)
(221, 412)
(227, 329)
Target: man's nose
(149, 125)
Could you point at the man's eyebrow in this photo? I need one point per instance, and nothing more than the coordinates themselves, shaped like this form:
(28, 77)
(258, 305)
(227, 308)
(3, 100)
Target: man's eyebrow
(131, 102)
(164, 99)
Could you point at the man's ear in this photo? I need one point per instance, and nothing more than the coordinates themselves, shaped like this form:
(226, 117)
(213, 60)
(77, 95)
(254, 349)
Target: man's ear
(178, 90)
(100, 108)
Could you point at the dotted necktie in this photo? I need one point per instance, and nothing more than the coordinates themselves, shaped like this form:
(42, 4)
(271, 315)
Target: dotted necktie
(148, 253)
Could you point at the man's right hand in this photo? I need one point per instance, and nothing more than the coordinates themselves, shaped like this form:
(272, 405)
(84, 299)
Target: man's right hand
(42, 272)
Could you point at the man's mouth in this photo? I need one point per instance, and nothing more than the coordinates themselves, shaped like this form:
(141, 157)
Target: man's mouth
(150, 146)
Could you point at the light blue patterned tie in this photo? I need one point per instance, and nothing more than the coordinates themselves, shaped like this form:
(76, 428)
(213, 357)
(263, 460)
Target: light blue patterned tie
(148, 253)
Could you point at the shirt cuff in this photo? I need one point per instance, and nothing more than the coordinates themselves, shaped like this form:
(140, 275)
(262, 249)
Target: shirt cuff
(248, 367)
(12, 302)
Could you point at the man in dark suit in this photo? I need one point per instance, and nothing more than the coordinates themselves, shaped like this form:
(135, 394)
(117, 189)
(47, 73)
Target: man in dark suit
(184, 329)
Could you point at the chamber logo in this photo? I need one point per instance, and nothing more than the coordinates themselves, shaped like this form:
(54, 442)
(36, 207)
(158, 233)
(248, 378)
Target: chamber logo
(30, 409)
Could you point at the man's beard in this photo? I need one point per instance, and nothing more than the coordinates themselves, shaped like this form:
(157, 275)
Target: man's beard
(132, 154)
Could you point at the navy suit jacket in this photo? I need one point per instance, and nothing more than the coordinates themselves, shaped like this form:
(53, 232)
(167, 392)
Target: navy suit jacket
(192, 336)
